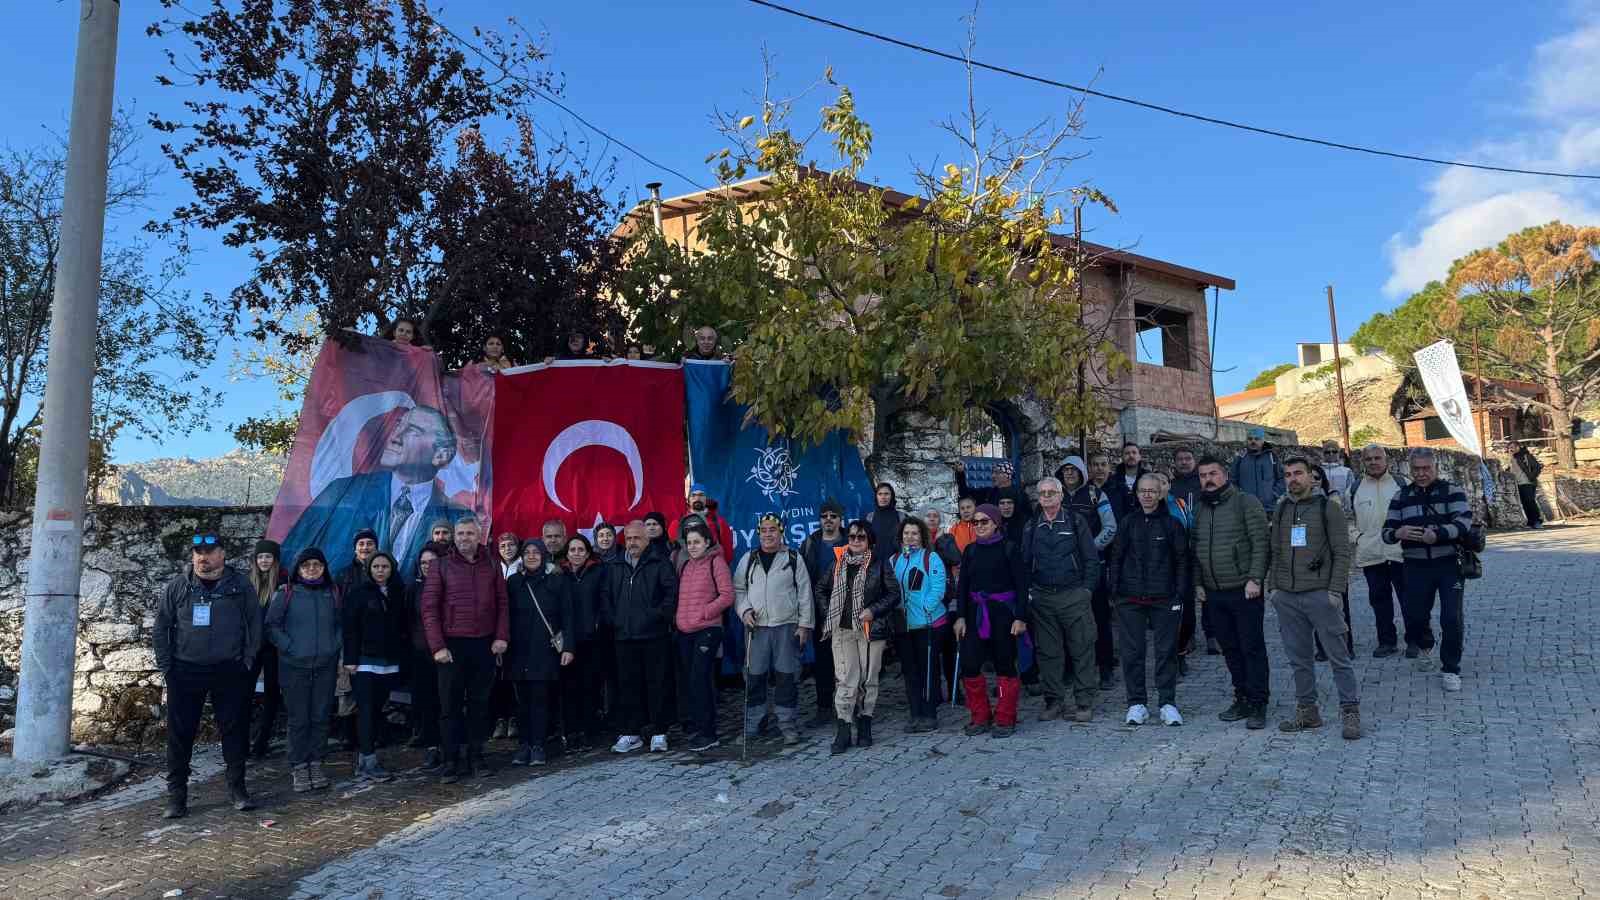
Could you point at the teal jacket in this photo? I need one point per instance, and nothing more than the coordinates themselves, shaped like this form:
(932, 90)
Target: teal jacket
(921, 574)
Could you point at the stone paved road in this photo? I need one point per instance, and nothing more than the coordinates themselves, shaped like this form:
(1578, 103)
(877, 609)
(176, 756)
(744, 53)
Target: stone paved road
(1482, 794)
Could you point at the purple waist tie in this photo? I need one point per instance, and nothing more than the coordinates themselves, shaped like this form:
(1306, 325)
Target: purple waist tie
(982, 600)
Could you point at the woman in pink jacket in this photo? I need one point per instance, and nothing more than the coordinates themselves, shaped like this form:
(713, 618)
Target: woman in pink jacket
(705, 590)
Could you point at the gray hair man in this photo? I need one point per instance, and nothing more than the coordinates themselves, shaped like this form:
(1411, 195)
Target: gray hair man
(1429, 519)
(1148, 571)
(1063, 566)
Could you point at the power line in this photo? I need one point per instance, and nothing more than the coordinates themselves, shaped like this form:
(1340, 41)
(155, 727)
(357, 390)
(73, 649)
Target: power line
(548, 98)
(1226, 123)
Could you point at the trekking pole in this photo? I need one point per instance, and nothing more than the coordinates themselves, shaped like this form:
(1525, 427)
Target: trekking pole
(927, 673)
(866, 665)
(744, 714)
(955, 677)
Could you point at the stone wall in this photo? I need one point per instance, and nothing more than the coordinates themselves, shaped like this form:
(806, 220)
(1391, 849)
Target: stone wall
(130, 552)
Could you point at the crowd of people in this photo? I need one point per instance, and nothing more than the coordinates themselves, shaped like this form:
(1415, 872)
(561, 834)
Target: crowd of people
(560, 641)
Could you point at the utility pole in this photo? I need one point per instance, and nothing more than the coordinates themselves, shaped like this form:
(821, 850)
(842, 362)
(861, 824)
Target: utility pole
(1478, 411)
(1338, 372)
(1077, 263)
(50, 619)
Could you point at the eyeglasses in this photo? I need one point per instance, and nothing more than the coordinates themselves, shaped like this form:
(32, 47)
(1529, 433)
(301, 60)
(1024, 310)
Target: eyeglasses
(1049, 493)
(205, 540)
(858, 537)
(982, 520)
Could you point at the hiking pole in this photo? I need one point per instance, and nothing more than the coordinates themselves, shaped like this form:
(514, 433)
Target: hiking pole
(744, 714)
(955, 677)
(927, 673)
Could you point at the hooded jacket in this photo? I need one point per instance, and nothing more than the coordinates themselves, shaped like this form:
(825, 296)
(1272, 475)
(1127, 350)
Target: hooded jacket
(1090, 502)
(886, 522)
(1228, 542)
(721, 532)
(465, 599)
(705, 590)
(642, 597)
(1259, 475)
(234, 632)
(305, 621)
(922, 577)
(374, 624)
(780, 594)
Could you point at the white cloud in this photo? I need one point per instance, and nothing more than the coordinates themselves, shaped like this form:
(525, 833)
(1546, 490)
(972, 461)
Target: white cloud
(1468, 209)
(1415, 262)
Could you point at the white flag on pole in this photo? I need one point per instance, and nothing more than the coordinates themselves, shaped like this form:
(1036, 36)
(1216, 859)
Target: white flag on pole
(1441, 375)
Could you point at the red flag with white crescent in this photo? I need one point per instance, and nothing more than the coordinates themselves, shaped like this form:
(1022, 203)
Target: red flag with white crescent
(587, 440)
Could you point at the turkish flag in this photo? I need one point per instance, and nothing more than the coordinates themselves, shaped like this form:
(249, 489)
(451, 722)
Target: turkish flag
(584, 441)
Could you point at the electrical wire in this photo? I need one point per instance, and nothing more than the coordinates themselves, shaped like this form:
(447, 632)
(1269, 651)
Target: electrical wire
(1156, 107)
(542, 95)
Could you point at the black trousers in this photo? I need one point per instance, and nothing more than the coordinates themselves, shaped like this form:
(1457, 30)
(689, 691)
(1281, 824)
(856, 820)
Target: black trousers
(644, 687)
(1529, 495)
(822, 672)
(533, 702)
(372, 692)
(1133, 620)
(464, 685)
(424, 717)
(697, 668)
(999, 648)
(266, 719)
(229, 687)
(1105, 655)
(1244, 645)
(1386, 584)
(1426, 579)
(919, 663)
(944, 660)
(1187, 621)
(603, 677)
(581, 690)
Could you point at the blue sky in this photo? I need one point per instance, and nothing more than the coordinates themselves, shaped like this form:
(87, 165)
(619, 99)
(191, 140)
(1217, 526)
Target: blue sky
(1508, 84)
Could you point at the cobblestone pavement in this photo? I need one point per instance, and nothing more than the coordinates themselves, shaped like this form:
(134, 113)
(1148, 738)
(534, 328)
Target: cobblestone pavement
(1481, 794)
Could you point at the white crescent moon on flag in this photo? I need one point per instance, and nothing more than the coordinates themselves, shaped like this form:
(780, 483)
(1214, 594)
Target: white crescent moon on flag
(331, 460)
(592, 433)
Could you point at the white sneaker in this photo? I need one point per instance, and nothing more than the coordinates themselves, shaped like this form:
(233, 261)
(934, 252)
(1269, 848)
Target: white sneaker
(1138, 714)
(1169, 715)
(1452, 681)
(658, 744)
(627, 744)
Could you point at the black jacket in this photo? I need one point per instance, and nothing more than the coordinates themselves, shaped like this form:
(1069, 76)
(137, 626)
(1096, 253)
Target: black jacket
(641, 601)
(588, 589)
(1150, 556)
(982, 571)
(881, 595)
(529, 655)
(1123, 499)
(1059, 553)
(1187, 489)
(233, 635)
(376, 627)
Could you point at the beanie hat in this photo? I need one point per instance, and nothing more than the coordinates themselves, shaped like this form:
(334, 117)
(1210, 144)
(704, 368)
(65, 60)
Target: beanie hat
(833, 506)
(266, 546)
(363, 533)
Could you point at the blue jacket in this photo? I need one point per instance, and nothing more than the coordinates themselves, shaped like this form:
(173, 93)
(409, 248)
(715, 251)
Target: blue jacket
(1261, 476)
(924, 601)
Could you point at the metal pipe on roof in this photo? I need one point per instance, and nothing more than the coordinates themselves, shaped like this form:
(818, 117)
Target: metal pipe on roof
(655, 202)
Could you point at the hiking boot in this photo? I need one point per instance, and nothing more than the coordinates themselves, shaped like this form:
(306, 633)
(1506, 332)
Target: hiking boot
(1212, 647)
(523, 756)
(1051, 711)
(841, 738)
(177, 802)
(1083, 714)
(863, 731)
(1256, 718)
(1412, 650)
(822, 719)
(1002, 731)
(1305, 717)
(1350, 717)
(433, 762)
(973, 729)
(1239, 710)
(1384, 651)
(237, 795)
(791, 737)
(301, 778)
(319, 781)
(702, 743)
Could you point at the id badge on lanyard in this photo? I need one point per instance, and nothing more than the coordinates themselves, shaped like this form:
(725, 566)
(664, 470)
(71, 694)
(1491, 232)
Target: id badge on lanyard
(202, 615)
(1297, 536)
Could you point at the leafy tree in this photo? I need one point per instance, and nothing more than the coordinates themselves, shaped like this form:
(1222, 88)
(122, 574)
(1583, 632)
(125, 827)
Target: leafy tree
(832, 289)
(152, 339)
(1534, 303)
(338, 143)
(1267, 377)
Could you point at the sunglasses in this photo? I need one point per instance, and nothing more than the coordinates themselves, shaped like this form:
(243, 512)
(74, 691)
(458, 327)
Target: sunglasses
(982, 520)
(205, 540)
(858, 537)
(830, 515)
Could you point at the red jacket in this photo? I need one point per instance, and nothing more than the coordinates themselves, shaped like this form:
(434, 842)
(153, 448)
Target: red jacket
(719, 529)
(465, 599)
(705, 589)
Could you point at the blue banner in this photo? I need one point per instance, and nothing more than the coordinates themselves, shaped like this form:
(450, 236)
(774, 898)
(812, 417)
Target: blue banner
(748, 474)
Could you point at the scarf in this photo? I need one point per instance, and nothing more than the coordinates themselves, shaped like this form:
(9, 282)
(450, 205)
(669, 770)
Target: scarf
(841, 584)
(999, 532)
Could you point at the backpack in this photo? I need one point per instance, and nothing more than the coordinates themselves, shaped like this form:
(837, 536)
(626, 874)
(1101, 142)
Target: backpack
(794, 575)
(919, 574)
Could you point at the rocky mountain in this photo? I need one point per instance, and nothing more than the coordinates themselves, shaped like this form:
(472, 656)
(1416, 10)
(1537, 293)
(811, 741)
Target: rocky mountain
(237, 478)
